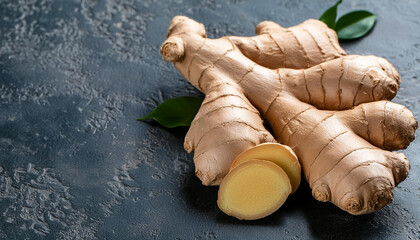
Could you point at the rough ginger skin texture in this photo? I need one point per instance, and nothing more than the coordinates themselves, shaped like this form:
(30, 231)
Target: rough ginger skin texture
(332, 109)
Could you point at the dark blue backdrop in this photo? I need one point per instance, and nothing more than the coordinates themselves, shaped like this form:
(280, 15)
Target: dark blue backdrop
(74, 162)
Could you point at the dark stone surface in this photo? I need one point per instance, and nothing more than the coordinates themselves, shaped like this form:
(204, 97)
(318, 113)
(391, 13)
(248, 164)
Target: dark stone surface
(74, 162)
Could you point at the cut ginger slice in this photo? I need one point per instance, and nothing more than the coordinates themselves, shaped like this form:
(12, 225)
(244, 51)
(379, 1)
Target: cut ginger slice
(277, 153)
(254, 189)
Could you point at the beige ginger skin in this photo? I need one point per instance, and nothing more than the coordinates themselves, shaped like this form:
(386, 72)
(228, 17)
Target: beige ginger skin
(332, 109)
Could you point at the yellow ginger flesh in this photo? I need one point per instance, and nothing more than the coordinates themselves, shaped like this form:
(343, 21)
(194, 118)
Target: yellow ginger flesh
(253, 190)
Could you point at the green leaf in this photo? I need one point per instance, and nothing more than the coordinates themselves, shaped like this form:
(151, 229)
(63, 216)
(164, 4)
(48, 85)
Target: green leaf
(175, 112)
(329, 16)
(354, 24)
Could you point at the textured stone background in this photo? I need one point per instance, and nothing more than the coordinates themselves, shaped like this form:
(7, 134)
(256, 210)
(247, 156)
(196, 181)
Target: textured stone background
(74, 162)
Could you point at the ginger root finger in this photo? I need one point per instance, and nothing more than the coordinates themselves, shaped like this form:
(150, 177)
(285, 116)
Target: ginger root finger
(302, 46)
(214, 133)
(343, 83)
(365, 189)
(279, 154)
(385, 124)
(364, 179)
(253, 190)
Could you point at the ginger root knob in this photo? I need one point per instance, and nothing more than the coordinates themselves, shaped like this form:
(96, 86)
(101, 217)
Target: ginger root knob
(172, 49)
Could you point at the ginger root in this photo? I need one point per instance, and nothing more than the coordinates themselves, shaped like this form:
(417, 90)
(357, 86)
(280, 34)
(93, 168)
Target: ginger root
(330, 108)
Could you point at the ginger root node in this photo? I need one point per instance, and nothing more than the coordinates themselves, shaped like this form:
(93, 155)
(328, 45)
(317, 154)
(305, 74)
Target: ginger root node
(172, 50)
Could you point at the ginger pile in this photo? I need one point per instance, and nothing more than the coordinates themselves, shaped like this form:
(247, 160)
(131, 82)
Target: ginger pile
(330, 108)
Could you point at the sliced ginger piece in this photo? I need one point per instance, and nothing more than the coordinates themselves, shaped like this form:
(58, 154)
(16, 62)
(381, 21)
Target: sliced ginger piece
(277, 153)
(253, 190)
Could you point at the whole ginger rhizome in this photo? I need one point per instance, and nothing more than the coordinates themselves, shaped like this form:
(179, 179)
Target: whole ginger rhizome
(331, 111)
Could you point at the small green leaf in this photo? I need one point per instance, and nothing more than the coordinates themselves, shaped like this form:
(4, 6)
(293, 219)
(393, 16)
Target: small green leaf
(354, 25)
(329, 16)
(175, 112)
